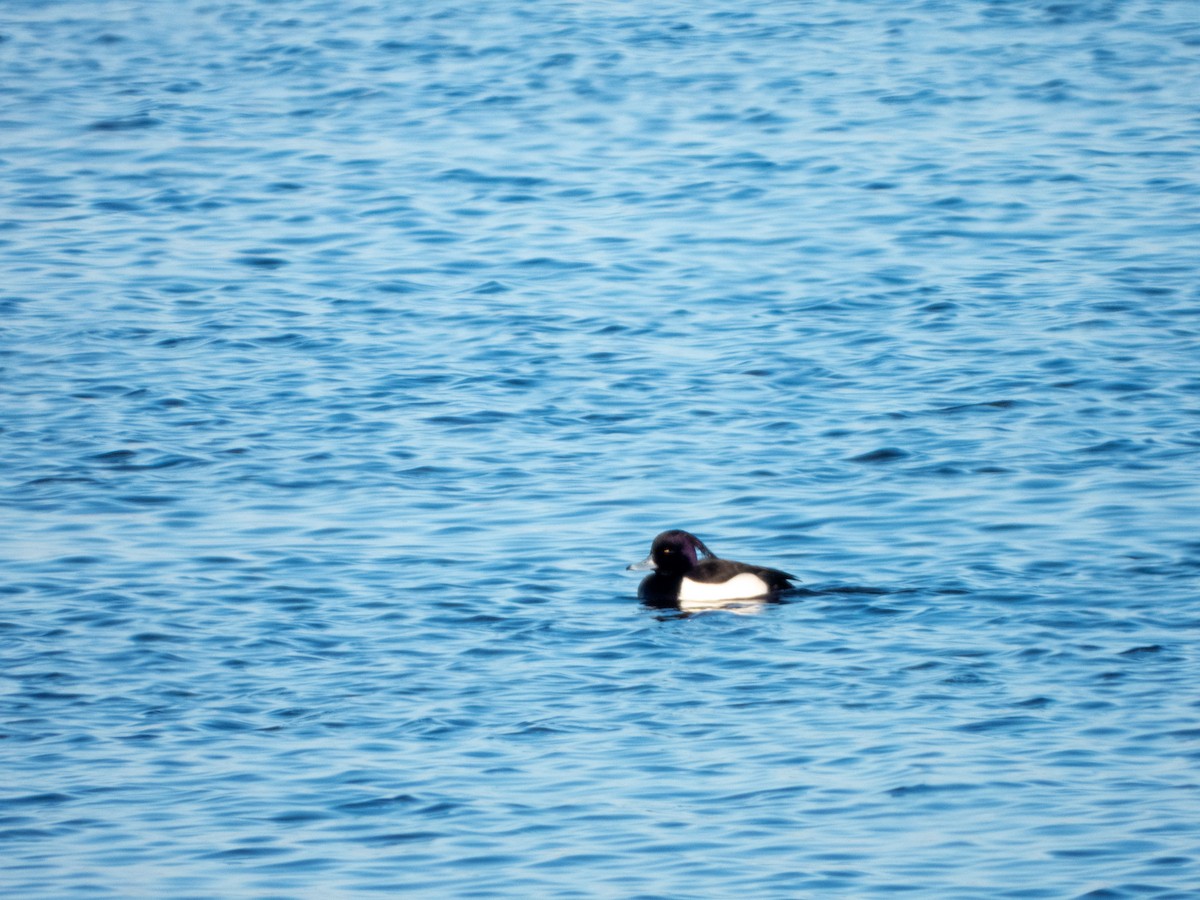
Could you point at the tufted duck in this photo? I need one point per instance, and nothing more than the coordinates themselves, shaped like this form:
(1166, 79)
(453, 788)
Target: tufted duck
(682, 579)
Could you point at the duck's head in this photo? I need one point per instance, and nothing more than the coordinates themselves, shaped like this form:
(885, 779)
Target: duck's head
(674, 552)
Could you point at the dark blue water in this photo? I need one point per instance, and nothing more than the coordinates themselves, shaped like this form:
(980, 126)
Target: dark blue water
(350, 351)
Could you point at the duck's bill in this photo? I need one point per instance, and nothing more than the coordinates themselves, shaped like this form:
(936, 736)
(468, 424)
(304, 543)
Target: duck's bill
(647, 563)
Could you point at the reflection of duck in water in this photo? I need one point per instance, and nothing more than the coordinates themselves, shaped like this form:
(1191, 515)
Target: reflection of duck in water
(682, 580)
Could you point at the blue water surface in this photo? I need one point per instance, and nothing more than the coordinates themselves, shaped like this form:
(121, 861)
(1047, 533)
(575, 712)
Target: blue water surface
(349, 351)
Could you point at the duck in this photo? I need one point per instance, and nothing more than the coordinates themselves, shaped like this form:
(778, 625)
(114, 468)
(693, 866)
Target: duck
(689, 576)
